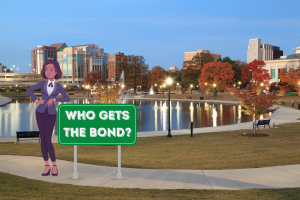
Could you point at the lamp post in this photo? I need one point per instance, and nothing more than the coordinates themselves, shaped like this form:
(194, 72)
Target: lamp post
(88, 90)
(169, 81)
(214, 90)
(191, 89)
(83, 89)
(5, 75)
(17, 70)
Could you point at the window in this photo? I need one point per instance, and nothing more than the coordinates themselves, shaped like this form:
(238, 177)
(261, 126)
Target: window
(59, 56)
(70, 68)
(272, 73)
(69, 55)
(51, 52)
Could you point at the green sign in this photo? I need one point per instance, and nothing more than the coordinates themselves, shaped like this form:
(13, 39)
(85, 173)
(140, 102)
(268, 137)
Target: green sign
(97, 124)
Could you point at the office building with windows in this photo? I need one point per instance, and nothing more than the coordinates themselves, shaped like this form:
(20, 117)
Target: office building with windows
(77, 61)
(189, 55)
(288, 62)
(2, 68)
(113, 61)
(42, 53)
(262, 51)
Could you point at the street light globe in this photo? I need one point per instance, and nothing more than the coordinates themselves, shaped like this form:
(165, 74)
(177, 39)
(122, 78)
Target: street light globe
(233, 85)
(64, 85)
(169, 80)
(205, 83)
(239, 82)
(177, 83)
(155, 84)
(261, 84)
(215, 85)
(122, 85)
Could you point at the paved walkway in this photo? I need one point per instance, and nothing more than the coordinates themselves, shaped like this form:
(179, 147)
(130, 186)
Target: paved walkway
(4, 100)
(92, 175)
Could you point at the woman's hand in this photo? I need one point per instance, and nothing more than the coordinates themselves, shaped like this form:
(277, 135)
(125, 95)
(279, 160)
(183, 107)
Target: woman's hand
(50, 102)
(42, 101)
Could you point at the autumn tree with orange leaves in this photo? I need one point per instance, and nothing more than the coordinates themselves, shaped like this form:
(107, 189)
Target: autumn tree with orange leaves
(157, 75)
(216, 76)
(94, 77)
(252, 101)
(255, 73)
(291, 76)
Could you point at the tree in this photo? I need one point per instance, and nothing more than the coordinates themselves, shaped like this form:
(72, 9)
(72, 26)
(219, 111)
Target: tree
(109, 94)
(134, 68)
(254, 72)
(192, 69)
(237, 67)
(157, 75)
(216, 76)
(254, 103)
(291, 76)
(175, 76)
(190, 75)
(93, 77)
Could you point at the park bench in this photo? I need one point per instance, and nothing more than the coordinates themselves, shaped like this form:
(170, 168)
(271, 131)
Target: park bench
(189, 97)
(27, 134)
(263, 123)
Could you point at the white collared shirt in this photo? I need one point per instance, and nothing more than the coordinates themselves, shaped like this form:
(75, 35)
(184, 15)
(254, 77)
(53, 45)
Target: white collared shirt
(50, 89)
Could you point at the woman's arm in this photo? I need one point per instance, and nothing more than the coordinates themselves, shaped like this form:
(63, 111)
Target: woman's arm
(65, 97)
(35, 87)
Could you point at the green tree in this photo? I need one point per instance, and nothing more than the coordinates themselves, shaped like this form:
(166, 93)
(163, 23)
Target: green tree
(237, 67)
(192, 69)
(135, 70)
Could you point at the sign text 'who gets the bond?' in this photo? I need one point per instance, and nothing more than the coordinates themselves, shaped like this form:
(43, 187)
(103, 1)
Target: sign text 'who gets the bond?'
(97, 124)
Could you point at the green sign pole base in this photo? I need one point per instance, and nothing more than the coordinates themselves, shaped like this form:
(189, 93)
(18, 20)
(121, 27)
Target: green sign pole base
(75, 174)
(119, 174)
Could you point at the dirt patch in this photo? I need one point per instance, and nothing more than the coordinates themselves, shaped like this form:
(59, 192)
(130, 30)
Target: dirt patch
(255, 135)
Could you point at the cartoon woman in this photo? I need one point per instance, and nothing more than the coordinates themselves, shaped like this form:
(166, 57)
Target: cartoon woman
(46, 110)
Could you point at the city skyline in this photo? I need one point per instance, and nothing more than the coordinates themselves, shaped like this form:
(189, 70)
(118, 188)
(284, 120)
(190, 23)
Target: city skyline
(161, 31)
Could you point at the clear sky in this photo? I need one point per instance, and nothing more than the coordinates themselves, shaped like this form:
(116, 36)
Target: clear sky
(159, 30)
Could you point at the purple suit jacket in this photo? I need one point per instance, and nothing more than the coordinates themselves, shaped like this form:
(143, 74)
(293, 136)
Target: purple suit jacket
(57, 88)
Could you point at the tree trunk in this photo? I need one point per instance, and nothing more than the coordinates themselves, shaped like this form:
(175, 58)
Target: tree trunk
(134, 90)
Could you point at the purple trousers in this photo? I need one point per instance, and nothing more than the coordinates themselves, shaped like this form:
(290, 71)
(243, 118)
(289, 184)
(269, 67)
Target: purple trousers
(46, 124)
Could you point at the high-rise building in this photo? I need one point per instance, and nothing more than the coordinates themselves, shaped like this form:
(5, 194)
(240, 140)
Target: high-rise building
(262, 51)
(189, 55)
(42, 53)
(113, 60)
(77, 61)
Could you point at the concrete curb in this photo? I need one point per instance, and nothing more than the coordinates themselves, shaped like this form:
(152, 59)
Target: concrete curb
(4, 100)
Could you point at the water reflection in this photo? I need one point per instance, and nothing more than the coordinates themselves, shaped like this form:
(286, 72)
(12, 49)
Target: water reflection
(151, 115)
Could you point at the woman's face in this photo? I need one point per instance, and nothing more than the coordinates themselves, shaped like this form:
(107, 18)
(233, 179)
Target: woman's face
(50, 71)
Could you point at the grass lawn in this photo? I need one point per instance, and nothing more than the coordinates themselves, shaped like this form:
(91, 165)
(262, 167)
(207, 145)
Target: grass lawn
(15, 187)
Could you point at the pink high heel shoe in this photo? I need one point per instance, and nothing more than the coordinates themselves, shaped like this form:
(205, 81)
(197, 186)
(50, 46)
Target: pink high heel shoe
(48, 173)
(56, 170)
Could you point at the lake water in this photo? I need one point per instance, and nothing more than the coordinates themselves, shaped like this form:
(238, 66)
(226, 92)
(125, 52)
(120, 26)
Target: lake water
(152, 115)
